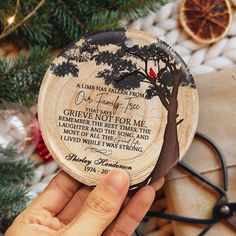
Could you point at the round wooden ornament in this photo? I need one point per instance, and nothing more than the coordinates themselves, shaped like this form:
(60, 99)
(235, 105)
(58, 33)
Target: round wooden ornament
(118, 99)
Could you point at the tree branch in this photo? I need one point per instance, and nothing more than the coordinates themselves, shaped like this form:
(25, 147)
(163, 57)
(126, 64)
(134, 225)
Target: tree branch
(176, 81)
(71, 14)
(151, 81)
(10, 30)
(162, 98)
(133, 73)
(134, 54)
(146, 67)
(160, 73)
(179, 122)
(166, 89)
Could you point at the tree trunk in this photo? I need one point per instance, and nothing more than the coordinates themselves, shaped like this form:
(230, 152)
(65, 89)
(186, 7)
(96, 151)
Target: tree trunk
(170, 149)
(169, 154)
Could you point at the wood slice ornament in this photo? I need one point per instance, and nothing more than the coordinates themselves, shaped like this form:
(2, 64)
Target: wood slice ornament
(118, 99)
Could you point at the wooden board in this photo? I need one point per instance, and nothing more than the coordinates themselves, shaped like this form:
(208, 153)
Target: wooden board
(185, 195)
(118, 99)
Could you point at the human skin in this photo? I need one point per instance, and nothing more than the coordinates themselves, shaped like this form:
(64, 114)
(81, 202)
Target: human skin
(69, 208)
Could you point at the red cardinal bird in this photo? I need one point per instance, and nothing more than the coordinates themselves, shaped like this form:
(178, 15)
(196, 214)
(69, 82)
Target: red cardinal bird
(152, 73)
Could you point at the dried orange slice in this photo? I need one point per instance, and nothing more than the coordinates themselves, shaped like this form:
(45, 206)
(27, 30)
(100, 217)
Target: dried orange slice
(206, 21)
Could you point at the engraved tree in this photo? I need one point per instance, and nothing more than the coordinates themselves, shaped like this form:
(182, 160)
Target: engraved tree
(161, 69)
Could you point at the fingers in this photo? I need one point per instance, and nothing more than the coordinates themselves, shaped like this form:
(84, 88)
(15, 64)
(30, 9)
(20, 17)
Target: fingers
(57, 194)
(50, 202)
(135, 210)
(74, 205)
(101, 206)
(158, 184)
(133, 213)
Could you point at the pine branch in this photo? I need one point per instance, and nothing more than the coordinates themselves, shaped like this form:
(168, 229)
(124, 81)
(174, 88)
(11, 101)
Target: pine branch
(12, 171)
(58, 22)
(102, 20)
(31, 25)
(8, 152)
(12, 201)
(16, 172)
(67, 21)
(20, 79)
(9, 10)
(14, 175)
(136, 8)
(36, 34)
(27, 17)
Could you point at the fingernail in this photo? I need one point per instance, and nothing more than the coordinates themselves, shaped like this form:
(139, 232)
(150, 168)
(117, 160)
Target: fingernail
(118, 180)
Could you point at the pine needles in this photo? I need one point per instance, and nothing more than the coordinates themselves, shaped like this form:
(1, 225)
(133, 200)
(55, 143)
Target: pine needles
(19, 172)
(135, 9)
(20, 79)
(55, 24)
(14, 177)
(58, 22)
(13, 200)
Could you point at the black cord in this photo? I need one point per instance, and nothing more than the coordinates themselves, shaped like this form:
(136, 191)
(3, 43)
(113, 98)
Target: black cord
(220, 155)
(137, 233)
(221, 191)
(205, 230)
(181, 218)
(204, 179)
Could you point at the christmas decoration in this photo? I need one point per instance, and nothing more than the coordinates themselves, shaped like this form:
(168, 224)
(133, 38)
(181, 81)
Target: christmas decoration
(41, 148)
(13, 189)
(18, 131)
(206, 21)
(20, 79)
(59, 22)
(18, 138)
(68, 92)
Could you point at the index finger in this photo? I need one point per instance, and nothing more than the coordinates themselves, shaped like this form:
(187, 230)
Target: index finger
(134, 211)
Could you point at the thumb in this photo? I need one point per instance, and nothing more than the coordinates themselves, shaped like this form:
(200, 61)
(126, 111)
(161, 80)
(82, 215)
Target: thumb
(101, 206)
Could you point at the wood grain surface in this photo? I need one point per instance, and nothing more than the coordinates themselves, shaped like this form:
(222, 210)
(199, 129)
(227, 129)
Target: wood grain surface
(118, 99)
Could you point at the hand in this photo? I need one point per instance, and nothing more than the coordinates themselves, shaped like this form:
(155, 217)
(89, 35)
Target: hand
(68, 208)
